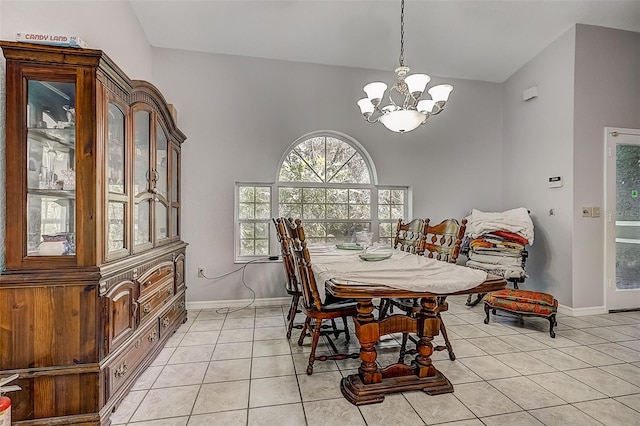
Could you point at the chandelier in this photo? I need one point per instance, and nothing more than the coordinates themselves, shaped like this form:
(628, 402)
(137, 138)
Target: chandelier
(410, 112)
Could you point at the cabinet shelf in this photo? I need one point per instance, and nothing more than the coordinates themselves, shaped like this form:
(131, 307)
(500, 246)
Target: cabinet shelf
(53, 193)
(56, 138)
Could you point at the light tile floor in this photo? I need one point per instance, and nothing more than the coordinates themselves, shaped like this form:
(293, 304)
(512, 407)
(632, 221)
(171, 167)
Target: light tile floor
(238, 368)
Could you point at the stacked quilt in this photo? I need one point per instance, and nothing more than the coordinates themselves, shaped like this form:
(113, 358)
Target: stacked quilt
(495, 241)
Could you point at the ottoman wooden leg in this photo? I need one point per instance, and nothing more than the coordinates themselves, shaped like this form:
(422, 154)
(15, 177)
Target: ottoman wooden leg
(552, 322)
(487, 308)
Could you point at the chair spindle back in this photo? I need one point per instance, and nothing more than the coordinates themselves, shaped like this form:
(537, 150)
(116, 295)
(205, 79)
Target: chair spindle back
(310, 295)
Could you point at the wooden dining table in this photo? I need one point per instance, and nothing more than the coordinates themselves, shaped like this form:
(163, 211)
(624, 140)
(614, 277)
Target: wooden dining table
(372, 382)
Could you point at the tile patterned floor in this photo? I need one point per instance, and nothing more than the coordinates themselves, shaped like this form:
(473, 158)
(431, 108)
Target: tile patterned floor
(237, 368)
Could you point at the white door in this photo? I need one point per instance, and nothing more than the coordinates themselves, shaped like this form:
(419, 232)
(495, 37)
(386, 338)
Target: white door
(622, 218)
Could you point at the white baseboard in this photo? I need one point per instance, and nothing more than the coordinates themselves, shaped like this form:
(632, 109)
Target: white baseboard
(238, 303)
(581, 312)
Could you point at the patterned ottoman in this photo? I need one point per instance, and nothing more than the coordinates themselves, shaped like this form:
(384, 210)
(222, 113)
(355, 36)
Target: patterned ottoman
(522, 303)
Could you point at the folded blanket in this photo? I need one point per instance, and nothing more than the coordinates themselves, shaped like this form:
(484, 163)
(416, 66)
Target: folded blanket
(516, 221)
(496, 259)
(504, 271)
(510, 236)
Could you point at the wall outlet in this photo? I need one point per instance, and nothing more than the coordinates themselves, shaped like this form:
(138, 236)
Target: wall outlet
(587, 211)
(200, 272)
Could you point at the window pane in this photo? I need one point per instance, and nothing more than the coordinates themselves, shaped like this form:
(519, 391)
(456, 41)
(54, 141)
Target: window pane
(263, 195)
(324, 159)
(384, 212)
(247, 247)
(290, 195)
(313, 195)
(262, 230)
(337, 211)
(337, 195)
(313, 211)
(245, 211)
(384, 196)
(247, 231)
(360, 211)
(246, 194)
(397, 196)
(291, 210)
(263, 211)
(262, 247)
(397, 212)
(359, 196)
(385, 229)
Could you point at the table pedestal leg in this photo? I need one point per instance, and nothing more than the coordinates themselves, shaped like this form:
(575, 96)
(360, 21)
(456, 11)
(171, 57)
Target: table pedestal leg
(371, 384)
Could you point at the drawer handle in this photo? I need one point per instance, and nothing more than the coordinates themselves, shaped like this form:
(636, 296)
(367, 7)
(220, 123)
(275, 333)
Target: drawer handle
(181, 304)
(153, 336)
(170, 291)
(121, 370)
(165, 322)
(137, 343)
(146, 308)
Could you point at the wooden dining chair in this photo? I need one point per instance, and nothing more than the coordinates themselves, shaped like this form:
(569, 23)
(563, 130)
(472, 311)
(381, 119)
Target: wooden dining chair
(408, 238)
(441, 242)
(291, 284)
(409, 235)
(315, 310)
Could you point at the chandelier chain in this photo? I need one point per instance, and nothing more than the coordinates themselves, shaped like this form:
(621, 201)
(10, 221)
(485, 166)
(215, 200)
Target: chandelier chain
(402, 33)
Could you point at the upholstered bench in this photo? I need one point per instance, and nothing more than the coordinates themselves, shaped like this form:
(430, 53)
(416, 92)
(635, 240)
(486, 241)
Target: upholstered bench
(522, 303)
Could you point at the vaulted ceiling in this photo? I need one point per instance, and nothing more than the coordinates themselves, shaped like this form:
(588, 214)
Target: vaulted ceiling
(479, 40)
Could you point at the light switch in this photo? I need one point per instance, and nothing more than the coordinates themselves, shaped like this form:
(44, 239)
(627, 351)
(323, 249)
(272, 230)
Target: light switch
(587, 211)
(595, 211)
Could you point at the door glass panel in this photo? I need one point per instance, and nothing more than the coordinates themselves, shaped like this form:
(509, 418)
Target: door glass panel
(51, 146)
(174, 222)
(627, 217)
(115, 150)
(143, 152)
(162, 221)
(161, 162)
(116, 231)
(175, 160)
(141, 220)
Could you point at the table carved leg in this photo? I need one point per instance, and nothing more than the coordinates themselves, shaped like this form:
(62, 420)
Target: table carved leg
(372, 383)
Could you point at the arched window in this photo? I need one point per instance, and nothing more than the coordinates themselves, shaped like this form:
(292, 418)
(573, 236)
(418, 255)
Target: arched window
(329, 181)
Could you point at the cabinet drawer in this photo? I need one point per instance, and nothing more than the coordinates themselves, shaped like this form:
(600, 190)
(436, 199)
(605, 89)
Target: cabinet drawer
(150, 305)
(171, 319)
(154, 278)
(120, 369)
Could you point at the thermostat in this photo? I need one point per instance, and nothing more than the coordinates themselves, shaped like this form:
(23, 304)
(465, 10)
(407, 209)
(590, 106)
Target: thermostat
(555, 182)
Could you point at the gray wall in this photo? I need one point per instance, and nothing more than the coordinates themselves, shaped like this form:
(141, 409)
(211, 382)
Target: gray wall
(241, 114)
(538, 143)
(107, 25)
(607, 94)
(588, 80)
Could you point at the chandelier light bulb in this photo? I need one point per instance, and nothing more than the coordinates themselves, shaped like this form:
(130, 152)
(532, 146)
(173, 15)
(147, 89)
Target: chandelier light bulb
(402, 117)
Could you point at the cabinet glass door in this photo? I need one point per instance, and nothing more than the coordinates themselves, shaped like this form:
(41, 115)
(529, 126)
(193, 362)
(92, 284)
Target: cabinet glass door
(51, 164)
(175, 206)
(117, 202)
(142, 179)
(161, 176)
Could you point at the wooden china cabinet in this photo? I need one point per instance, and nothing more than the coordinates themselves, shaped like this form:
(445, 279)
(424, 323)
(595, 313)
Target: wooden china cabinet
(93, 284)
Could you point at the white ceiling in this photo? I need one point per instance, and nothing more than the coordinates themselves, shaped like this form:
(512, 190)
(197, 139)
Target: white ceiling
(478, 40)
